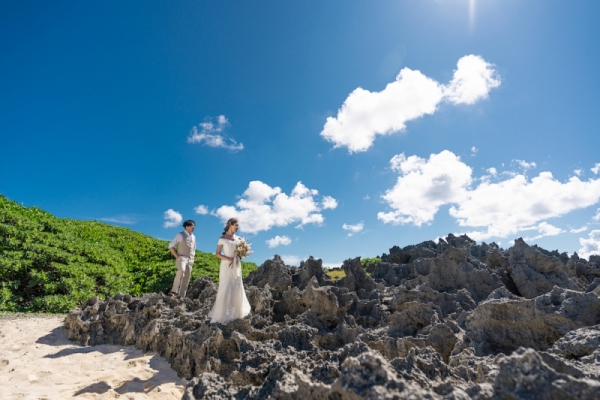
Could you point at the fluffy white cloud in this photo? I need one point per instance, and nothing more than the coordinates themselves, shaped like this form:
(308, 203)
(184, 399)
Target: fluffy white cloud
(365, 114)
(291, 260)
(353, 228)
(278, 241)
(524, 164)
(172, 218)
(500, 208)
(202, 210)
(544, 229)
(596, 168)
(517, 204)
(578, 172)
(591, 245)
(472, 81)
(424, 186)
(492, 171)
(211, 134)
(597, 216)
(329, 203)
(262, 207)
(474, 150)
(579, 230)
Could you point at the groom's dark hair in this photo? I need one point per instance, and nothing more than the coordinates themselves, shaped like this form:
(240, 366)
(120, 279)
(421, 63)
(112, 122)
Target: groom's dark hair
(188, 222)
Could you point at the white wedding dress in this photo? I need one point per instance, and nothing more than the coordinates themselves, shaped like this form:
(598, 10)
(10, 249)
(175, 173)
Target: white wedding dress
(231, 302)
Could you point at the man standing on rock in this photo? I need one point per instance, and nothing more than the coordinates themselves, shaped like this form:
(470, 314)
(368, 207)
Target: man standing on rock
(184, 257)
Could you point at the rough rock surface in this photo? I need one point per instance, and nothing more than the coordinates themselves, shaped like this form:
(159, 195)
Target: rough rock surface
(446, 320)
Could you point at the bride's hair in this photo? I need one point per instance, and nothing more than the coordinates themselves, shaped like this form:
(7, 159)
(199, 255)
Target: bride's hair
(230, 221)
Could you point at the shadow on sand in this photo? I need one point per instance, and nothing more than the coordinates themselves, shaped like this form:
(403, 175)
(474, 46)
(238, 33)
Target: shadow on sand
(58, 337)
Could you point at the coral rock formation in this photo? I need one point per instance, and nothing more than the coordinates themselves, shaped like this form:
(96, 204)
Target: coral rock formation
(452, 320)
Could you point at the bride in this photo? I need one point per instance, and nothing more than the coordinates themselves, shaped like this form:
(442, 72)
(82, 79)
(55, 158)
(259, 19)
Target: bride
(231, 302)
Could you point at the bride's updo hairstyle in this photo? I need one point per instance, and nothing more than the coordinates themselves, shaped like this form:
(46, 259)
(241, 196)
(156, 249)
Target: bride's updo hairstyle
(230, 221)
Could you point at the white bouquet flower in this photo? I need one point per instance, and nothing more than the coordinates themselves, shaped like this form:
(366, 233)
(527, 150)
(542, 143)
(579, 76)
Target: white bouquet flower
(242, 250)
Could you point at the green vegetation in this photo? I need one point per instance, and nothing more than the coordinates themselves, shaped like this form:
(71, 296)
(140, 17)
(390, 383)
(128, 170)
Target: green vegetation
(335, 274)
(368, 261)
(50, 264)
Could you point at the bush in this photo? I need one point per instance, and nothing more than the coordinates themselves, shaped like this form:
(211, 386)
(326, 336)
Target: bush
(368, 261)
(50, 264)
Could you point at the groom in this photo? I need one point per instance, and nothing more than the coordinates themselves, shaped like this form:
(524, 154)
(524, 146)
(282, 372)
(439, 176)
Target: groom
(184, 257)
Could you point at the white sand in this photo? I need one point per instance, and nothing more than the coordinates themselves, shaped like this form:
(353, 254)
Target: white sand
(38, 362)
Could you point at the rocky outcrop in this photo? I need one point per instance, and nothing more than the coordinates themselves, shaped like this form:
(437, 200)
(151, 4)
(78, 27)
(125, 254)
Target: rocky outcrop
(535, 273)
(446, 320)
(501, 325)
(524, 375)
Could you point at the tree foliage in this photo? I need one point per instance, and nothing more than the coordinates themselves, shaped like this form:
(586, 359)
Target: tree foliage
(53, 264)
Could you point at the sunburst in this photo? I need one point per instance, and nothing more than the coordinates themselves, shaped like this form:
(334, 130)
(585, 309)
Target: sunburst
(472, 13)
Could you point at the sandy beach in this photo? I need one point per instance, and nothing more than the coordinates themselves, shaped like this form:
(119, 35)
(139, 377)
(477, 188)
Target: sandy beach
(38, 362)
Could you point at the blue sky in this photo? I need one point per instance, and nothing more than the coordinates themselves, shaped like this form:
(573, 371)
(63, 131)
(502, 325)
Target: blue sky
(296, 117)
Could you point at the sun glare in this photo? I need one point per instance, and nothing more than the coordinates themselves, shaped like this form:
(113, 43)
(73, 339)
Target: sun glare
(472, 13)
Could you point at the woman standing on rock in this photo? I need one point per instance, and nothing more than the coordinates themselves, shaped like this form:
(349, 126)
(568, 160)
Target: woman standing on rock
(231, 302)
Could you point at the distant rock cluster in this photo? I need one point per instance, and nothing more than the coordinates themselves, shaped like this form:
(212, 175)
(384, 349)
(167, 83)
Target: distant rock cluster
(446, 320)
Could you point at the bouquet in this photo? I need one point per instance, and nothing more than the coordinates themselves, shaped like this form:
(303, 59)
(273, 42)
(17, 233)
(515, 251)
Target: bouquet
(242, 249)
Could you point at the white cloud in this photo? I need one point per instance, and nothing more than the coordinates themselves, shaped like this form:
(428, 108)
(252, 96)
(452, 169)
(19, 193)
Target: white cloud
(279, 241)
(262, 207)
(590, 246)
(424, 186)
(492, 171)
(172, 218)
(595, 169)
(597, 216)
(578, 172)
(202, 210)
(211, 134)
(472, 81)
(332, 265)
(367, 197)
(517, 204)
(353, 228)
(544, 229)
(579, 230)
(502, 208)
(474, 150)
(365, 114)
(524, 164)
(510, 174)
(121, 219)
(329, 203)
(291, 260)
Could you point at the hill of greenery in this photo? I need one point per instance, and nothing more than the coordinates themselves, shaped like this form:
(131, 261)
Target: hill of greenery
(53, 264)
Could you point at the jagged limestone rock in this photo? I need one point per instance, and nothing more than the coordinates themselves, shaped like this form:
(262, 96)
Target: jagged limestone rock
(503, 325)
(535, 273)
(524, 375)
(452, 320)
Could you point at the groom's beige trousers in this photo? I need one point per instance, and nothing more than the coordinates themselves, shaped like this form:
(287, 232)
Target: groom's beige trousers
(182, 277)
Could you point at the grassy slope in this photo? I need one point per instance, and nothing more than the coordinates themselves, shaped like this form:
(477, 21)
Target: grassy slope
(52, 264)
(336, 274)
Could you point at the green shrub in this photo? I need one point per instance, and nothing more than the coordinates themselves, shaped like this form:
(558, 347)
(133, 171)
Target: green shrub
(50, 264)
(367, 261)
